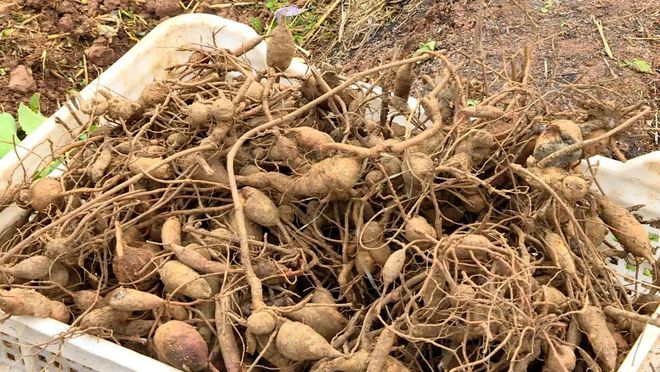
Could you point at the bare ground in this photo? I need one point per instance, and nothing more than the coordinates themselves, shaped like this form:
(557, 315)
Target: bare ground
(57, 47)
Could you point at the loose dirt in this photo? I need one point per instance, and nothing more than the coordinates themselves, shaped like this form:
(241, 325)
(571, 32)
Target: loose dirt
(64, 45)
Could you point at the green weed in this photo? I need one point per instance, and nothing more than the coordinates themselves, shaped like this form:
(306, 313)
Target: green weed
(639, 65)
(547, 6)
(29, 119)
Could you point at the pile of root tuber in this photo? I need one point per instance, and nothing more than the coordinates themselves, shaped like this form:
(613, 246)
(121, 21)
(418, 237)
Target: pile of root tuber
(235, 219)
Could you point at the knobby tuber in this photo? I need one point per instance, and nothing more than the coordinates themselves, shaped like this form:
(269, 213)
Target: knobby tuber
(180, 345)
(237, 217)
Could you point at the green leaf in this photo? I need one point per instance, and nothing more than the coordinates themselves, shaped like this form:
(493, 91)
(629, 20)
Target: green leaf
(28, 119)
(429, 46)
(5, 32)
(630, 267)
(547, 6)
(654, 237)
(639, 65)
(7, 133)
(49, 169)
(272, 5)
(647, 272)
(3, 72)
(34, 103)
(473, 102)
(84, 135)
(256, 24)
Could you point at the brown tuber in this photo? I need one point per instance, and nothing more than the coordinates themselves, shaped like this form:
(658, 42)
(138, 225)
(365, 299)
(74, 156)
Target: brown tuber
(35, 267)
(558, 135)
(60, 249)
(261, 322)
(120, 108)
(594, 227)
(46, 193)
(181, 346)
(19, 301)
(88, 299)
(132, 265)
(552, 299)
(138, 327)
(259, 208)
(155, 93)
(98, 169)
(144, 165)
(193, 256)
(625, 227)
(373, 241)
(170, 233)
(309, 138)
(417, 170)
(255, 91)
(105, 317)
(559, 253)
(418, 230)
(592, 322)
(393, 267)
(300, 342)
(281, 47)
(364, 263)
(559, 358)
(222, 110)
(198, 115)
(403, 81)
(181, 279)
(325, 320)
(333, 176)
(127, 299)
(646, 304)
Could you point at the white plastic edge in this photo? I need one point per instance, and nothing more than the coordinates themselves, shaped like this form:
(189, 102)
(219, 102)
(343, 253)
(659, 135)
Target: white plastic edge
(84, 349)
(634, 182)
(642, 353)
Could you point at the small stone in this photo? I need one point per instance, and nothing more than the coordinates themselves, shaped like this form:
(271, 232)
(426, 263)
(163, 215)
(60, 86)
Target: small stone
(38, 4)
(112, 4)
(100, 53)
(66, 23)
(64, 7)
(150, 6)
(21, 80)
(92, 6)
(166, 8)
(11, 63)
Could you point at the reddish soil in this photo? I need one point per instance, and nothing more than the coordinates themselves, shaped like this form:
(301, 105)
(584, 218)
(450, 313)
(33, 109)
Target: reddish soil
(565, 41)
(54, 47)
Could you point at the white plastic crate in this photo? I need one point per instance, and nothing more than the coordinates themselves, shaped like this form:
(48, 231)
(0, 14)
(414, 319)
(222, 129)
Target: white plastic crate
(84, 353)
(141, 65)
(636, 182)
